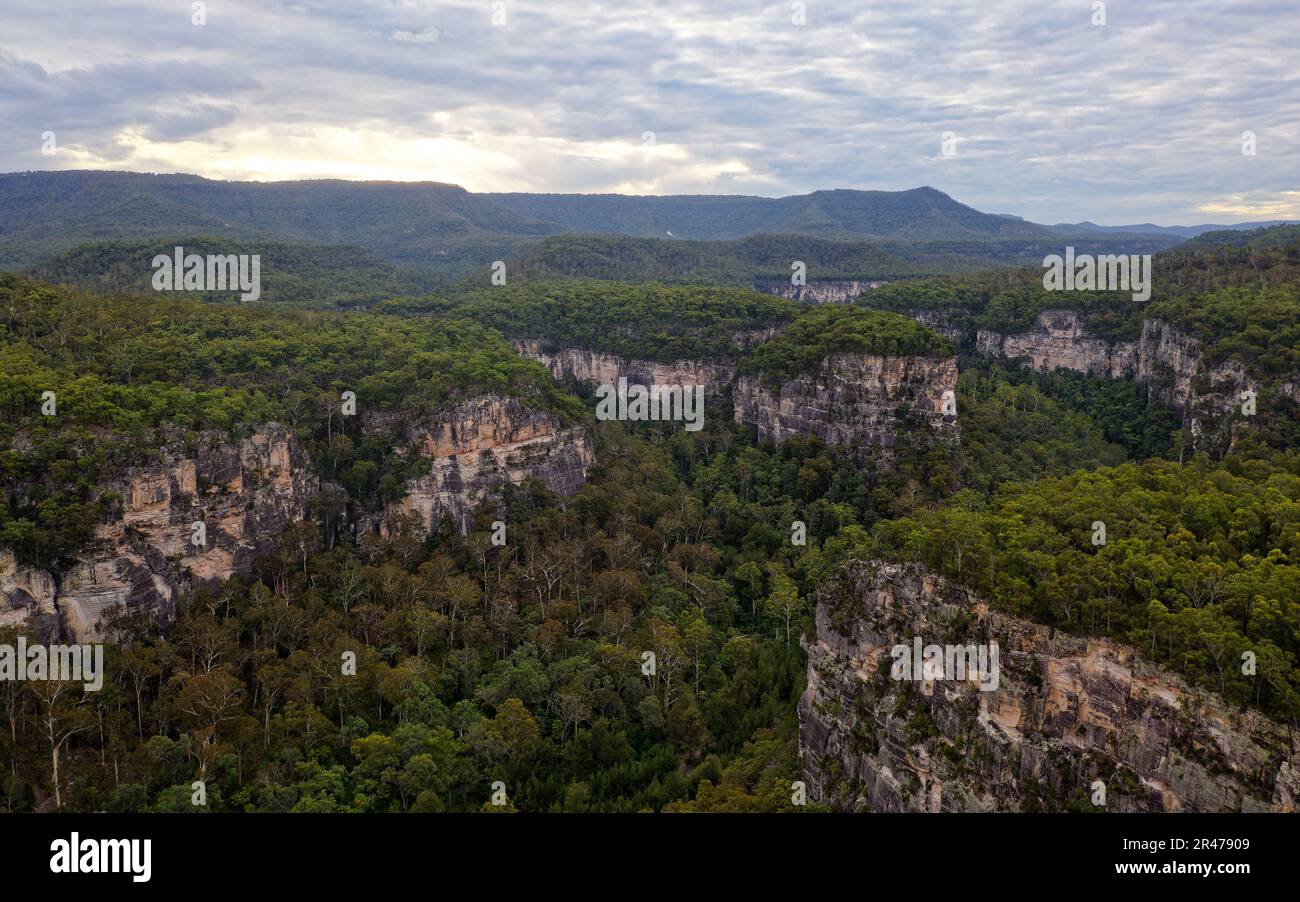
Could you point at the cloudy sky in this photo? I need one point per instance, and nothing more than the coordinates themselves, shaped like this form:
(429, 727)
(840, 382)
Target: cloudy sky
(1051, 116)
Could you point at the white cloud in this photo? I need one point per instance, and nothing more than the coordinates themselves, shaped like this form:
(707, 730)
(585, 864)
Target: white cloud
(1057, 119)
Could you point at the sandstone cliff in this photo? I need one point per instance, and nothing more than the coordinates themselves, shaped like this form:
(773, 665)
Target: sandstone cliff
(597, 368)
(853, 400)
(478, 447)
(244, 494)
(1067, 711)
(1164, 358)
(819, 291)
(26, 596)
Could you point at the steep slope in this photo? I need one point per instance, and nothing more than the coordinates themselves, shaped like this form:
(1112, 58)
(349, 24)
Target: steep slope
(1223, 320)
(127, 421)
(851, 377)
(1060, 721)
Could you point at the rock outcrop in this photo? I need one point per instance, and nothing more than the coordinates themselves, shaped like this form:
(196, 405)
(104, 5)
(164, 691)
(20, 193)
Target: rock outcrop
(853, 400)
(478, 447)
(26, 596)
(244, 494)
(1067, 711)
(820, 291)
(1163, 358)
(596, 368)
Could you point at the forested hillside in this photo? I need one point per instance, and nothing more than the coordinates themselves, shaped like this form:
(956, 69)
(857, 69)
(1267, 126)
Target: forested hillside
(523, 662)
(1239, 301)
(446, 232)
(742, 262)
(918, 214)
(430, 225)
(124, 370)
(766, 260)
(645, 321)
(296, 274)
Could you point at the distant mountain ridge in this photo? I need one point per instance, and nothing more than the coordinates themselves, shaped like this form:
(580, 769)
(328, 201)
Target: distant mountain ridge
(919, 213)
(1147, 228)
(444, 231)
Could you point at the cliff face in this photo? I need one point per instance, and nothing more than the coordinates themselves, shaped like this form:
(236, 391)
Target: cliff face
(1165, 359)
(1067, 711)
(26, 596)
(245, 494)
(596, 368)
(819, 291)
(476, 448)
(852, 400)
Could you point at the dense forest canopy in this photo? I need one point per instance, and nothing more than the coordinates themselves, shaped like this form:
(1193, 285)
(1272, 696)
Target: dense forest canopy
(523, 663)
(291, 273)
(829, 329)
(743, 262)
(1239, 301)
(641, 321)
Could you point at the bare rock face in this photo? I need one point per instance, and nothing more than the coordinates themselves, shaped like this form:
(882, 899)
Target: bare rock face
(596, 368)
(937, 322)
(1059, 339)
(246, 494)
(1164, 358)
(1067, 711)
(243, 494)
(853, 400)
(820, 291)
(476, 448)
(26, 596)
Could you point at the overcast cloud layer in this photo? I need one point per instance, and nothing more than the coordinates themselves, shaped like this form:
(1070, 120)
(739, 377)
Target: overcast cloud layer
(1054, 118)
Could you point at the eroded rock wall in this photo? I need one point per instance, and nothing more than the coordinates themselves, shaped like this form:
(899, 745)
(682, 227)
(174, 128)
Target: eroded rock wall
(853, 400)
(596, 368)
(1167, 360)
(820, 291)
(246, 493)
(1067, 711)
(243, 493)
(478, 447)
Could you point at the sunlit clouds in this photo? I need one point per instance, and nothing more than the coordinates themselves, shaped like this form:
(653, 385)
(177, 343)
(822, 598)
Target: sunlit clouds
(1055, 118)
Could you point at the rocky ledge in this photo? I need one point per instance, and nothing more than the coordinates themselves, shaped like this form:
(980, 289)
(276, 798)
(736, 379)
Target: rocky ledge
(243, 493)
(1168, 361)
(854, 400)
(478, 447)
(1067, 712)
(596, 368)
